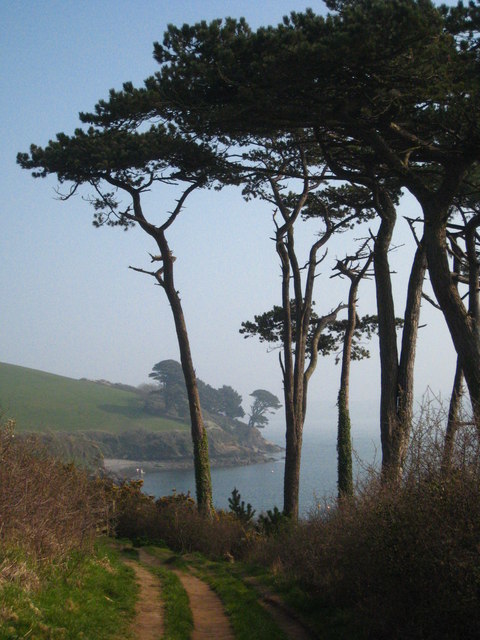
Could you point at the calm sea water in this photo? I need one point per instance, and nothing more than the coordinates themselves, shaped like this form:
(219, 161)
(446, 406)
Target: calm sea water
(262, 484)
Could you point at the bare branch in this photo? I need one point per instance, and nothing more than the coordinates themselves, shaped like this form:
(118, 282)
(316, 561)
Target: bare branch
(411, 222)
(180, 203)
(281, 365)
(431, 301)
(138, 216)
(321, 324)
(66, 196)
(139, 270)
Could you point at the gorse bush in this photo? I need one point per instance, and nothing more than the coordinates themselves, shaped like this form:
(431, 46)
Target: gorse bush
(132, 513)
(175, 521)
(47, 508)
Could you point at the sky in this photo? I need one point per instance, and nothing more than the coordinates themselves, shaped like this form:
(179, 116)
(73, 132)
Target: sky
(69, 303)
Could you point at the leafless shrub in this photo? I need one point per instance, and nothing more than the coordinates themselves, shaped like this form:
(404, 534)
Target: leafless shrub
(427, 449)
(405, 558)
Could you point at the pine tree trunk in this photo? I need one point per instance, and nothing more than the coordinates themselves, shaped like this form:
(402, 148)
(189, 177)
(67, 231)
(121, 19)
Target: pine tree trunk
(344, 436)
(344, 448)
(203, 483)
(462, 327)
(292, 469)
(293, 429)
(387, 337)
(396, 403)
(408, 351)
(453, 416)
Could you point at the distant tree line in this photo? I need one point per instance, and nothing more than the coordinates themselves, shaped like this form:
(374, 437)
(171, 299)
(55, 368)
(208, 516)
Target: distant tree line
(171, 397)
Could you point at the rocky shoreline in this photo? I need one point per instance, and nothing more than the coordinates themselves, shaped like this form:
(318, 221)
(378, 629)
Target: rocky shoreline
(129, 469)
(128, 454)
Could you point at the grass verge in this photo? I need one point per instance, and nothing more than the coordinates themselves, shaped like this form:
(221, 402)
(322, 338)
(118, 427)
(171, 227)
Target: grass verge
(88, 597)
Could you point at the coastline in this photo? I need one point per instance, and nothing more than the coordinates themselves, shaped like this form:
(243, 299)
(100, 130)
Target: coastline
(133, 468)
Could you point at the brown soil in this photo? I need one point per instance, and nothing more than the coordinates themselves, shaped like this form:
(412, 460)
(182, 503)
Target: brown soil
(148, 623)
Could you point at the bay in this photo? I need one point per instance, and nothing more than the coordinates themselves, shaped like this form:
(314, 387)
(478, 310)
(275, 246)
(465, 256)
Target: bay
(261, 485)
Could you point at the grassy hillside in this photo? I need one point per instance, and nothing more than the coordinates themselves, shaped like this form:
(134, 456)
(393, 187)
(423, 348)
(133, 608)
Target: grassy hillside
(42, 401)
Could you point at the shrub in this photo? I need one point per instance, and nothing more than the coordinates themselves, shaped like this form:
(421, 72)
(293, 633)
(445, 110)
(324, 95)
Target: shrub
(46, 508)
(273, 522)
(237, 507)
(184, 529)
(132, 513)
(404, 558)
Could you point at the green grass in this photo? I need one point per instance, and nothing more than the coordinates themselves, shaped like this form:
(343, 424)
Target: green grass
(89, 598)
(178, 620)
(324, 619)
(248, 618)
(42, 401)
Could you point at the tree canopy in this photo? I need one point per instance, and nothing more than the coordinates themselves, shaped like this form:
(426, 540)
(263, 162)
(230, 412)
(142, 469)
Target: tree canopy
(224, 400)
(264, 402)
(268, 326)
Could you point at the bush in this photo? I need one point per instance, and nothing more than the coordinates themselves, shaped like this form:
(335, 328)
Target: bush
(47, 508)
(132, 513)
(273, 522)
(404, 558)
(237, 507)
(175, 521)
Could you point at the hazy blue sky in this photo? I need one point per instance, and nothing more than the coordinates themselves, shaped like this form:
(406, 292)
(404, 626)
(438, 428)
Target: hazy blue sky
(69, 303)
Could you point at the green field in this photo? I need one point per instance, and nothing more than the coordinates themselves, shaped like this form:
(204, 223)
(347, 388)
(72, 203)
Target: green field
(40, 401)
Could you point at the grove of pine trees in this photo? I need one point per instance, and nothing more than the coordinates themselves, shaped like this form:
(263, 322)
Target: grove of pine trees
(329, 118)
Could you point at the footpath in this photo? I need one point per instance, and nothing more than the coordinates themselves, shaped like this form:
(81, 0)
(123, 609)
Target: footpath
(210, 620)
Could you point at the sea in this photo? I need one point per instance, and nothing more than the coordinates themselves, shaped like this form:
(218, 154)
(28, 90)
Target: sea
(261, 485)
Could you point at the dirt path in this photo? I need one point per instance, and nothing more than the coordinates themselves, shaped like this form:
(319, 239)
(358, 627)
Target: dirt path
(148, 623)
(209, 619)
